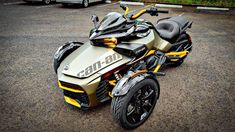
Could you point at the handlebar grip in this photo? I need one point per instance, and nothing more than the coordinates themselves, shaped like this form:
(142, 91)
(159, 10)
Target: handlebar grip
(163, 11)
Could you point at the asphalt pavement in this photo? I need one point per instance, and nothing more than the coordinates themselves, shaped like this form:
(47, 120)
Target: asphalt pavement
(197, 96)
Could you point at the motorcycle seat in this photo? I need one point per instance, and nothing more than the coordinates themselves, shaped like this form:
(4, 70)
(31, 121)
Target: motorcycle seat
(170, 28)
(167, 29)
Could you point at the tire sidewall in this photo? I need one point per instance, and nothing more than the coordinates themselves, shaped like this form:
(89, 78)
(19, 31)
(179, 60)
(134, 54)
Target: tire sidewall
(128, 97)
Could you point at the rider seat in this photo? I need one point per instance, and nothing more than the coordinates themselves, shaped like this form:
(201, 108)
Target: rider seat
(170, 28)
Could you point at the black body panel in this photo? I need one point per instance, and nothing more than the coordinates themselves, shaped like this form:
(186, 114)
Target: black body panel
(131, 50)
(64, 51)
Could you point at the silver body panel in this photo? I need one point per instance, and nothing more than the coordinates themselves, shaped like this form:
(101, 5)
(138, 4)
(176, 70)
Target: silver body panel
(83, 57)
(153, 41)
(87, 55)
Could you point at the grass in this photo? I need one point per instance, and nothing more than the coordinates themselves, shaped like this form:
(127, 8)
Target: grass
(221, 3)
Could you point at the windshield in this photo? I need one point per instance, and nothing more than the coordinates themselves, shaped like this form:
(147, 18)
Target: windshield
(111, 20)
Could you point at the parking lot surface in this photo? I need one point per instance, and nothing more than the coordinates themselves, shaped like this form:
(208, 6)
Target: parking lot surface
(197, 96)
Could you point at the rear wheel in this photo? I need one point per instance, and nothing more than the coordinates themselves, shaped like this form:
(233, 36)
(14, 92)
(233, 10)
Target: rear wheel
(133, 109)
(85, 3)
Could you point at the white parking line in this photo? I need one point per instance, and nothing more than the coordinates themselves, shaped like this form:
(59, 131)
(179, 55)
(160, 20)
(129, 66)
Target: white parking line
(132, 3)
(168, 6)
(46, 6)
(212, 8)
(108, 4)
(14, 3)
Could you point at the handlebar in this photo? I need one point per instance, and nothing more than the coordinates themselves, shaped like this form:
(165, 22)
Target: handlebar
(138, 14)
(153, 11)
(124, 7)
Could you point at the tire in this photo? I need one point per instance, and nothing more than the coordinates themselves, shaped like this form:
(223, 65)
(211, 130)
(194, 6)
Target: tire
(85, 3)
(121, 104)
(46, 2)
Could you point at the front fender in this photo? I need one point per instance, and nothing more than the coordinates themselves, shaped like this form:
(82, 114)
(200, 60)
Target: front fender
(63, 51)
(128, 81)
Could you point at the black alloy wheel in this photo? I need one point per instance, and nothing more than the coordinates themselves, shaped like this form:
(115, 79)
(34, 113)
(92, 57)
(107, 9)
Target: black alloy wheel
(140, 104)
(133, 109)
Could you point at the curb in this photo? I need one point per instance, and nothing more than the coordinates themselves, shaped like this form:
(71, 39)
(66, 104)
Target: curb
(175, 6)
(168, 6)
(131, 3)
(212, 8)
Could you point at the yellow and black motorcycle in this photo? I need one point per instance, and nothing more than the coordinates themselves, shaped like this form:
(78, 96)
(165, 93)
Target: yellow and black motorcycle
(121, 61)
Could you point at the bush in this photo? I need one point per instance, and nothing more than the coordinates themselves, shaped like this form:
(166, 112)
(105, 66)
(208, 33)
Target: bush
(222, 3)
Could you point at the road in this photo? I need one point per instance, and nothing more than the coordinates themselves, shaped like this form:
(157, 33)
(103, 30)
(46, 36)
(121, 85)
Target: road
(197, 96)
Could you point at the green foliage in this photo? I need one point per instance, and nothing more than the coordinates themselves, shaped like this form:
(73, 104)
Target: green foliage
(228, 3)
(222, 3)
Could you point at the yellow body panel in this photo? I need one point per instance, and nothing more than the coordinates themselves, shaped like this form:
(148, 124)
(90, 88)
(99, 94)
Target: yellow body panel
(69, 89)
(157, 68)
(72, 101)
(181, 54)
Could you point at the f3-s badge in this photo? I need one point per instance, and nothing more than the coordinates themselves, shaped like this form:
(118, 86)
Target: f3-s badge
(102, 63)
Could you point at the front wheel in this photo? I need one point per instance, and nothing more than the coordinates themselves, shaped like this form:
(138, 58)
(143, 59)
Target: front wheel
(46, 2)
(134, 108)
(85, 3)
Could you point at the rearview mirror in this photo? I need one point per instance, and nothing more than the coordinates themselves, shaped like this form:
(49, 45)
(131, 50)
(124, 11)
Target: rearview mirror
(95, 20)
(123, 6)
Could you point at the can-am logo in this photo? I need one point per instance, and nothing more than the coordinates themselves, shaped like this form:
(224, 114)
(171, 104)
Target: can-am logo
(104, 62)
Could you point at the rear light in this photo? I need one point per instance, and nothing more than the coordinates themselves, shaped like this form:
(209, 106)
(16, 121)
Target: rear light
(189, 38)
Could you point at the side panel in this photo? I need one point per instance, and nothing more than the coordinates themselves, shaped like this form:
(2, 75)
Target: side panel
(80, 59)
(152, 41)
(161, 44)
(148, 40)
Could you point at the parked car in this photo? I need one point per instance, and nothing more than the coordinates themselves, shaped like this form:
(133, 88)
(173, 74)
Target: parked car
(85, 3)
(46, 2)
